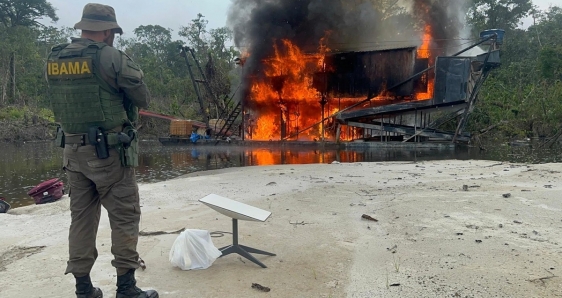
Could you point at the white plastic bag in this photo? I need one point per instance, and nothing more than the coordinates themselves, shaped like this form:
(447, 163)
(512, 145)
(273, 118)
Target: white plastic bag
(194, 249)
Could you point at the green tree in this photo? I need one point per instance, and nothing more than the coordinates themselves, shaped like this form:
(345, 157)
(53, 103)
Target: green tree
(526, 91)
(25, 12)
(19, 33)
(502, 14)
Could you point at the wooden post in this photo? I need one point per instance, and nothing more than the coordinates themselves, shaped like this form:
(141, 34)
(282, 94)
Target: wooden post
(338, 132)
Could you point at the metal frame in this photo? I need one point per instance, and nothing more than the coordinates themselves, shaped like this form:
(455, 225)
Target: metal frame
(242, 249)
(362, 118)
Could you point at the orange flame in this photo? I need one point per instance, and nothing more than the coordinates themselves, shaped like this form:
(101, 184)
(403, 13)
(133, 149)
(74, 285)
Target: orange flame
(284, 101)
(424, 51)
(265, 127)
(287, 93)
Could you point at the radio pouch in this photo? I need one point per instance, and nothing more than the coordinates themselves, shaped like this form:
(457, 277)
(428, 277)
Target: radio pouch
(129, 153)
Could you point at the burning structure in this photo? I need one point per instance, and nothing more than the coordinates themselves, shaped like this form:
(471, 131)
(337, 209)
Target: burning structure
(363, 69)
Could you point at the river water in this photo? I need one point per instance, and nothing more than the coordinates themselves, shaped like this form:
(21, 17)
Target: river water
(22, 166)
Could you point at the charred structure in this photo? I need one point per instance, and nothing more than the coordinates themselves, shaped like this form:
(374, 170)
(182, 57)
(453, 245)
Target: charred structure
(313, 69)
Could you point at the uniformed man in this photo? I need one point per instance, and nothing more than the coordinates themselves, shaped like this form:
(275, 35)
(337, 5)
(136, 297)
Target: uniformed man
(95, 92)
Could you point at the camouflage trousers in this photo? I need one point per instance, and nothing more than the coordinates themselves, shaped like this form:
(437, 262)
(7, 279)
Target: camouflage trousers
(94, 183)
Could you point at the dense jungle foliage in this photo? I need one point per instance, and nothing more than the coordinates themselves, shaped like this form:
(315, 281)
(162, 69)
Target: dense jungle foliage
(522, 99)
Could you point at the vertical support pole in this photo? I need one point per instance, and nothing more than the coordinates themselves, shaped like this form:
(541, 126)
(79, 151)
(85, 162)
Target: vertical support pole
(283, 123)
(322, 122)
(243, 125)
(416, 126)
(234, 231)
(338, 132)
(323, 103)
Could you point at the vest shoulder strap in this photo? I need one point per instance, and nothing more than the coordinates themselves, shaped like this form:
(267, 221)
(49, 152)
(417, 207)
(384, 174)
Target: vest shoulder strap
(94, 51)
(55, 50)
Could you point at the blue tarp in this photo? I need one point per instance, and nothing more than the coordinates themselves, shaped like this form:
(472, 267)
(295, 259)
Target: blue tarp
(195, 137)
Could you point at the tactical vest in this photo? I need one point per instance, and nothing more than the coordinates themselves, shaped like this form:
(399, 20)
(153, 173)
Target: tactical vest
(80, 98)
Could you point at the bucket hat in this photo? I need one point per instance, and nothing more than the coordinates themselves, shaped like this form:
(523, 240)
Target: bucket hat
(98, 17)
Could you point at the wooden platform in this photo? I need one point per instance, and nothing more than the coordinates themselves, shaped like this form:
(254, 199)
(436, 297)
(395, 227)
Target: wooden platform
(172, 141)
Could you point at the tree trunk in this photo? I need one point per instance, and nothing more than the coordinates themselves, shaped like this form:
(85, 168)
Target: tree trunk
(13, 77)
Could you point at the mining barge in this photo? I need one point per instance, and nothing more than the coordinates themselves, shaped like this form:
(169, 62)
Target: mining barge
(381, 97)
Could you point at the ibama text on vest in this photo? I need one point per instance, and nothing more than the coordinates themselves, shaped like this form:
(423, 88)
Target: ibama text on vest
(71, 67)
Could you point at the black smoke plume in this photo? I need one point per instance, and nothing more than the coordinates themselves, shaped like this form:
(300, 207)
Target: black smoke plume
(349, 25)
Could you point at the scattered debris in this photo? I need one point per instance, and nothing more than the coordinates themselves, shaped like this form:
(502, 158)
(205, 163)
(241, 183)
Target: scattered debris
(156, 233)
(500, 225)
(542, 279)
(260, 287)
(517, 222)
(300, 223)
(393, 249)
(142, 264)
(218, 234)
(548, 186)
(271, 183)
(506, 195)
(493, 165)
(367, 217)
(478, 241)
(465, 187)
(460, 234)
(395, 285)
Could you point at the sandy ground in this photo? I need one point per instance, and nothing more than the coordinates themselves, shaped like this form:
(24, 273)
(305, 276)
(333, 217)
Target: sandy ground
(444, 229)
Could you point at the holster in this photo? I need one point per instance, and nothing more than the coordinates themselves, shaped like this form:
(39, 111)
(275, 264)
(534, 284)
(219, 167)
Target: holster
(59, 139)
(98, 138)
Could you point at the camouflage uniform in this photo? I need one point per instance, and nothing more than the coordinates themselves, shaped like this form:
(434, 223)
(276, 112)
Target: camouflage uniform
(95, 181)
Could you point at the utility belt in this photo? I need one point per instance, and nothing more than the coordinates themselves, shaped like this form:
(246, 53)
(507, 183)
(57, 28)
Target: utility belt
(126, 143)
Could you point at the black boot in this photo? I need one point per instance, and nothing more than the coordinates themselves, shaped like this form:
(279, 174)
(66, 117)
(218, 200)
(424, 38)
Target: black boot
(84, 288)
(127, 287)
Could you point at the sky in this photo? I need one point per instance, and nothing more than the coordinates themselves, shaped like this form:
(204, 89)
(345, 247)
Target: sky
(131, 14)
(170, 14)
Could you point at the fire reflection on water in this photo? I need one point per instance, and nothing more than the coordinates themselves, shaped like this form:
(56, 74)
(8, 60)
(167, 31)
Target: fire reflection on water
(215, 159)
